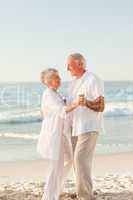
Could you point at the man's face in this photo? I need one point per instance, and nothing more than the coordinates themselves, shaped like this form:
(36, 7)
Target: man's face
(73, 66)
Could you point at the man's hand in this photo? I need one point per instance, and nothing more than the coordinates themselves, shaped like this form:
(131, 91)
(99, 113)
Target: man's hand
(96, 105)
(82, 100)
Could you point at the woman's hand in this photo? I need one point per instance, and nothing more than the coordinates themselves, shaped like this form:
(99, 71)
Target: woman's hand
(76, 103)
(72, 106)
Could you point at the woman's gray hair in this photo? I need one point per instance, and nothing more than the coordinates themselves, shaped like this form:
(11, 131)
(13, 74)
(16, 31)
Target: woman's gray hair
(80, 58)
(48, 74)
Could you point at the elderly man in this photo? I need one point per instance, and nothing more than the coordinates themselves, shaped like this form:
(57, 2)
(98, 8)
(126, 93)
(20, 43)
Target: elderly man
(87, 121)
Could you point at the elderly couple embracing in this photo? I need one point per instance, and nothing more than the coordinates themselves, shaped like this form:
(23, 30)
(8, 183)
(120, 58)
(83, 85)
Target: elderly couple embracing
(70, 128)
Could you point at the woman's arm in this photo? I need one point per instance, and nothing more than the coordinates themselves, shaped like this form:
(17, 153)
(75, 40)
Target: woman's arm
(52, 104)
(72, 106)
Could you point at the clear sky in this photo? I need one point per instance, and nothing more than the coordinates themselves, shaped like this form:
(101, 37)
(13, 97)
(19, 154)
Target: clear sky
(35, 34)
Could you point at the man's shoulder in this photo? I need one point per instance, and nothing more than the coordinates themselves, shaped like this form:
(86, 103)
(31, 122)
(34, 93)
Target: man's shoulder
(70, 84)
(92, 77)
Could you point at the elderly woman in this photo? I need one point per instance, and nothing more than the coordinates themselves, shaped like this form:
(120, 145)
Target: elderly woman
(53, 143)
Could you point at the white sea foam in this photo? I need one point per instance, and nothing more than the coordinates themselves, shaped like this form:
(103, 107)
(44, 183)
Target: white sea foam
(20, 117)
(26, 136)
(111, 109)
(119, 109)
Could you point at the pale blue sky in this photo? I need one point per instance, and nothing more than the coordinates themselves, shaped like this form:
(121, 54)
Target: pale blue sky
(35, 34)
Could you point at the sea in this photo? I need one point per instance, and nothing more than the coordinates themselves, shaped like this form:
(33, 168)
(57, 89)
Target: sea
(20, 119)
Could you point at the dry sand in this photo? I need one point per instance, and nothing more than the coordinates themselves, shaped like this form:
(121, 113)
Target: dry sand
(112, 179)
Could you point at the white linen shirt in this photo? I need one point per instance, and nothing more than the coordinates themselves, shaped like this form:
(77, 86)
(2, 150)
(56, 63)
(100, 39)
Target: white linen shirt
(85, 120)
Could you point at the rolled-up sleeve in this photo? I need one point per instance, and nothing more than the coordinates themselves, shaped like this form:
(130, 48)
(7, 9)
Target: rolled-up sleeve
(97, 87)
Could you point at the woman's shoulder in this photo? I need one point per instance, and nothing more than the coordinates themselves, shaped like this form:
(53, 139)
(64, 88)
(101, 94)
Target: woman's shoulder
(46, 93)
(49, 95)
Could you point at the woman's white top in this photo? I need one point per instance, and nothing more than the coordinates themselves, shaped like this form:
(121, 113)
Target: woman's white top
(55, 124)
(85, 120)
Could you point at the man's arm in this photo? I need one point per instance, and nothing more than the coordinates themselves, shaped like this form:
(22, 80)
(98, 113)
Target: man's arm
(97, 105)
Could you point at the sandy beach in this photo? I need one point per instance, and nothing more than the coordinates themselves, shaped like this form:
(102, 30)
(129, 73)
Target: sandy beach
(121, 163)
(112, 178)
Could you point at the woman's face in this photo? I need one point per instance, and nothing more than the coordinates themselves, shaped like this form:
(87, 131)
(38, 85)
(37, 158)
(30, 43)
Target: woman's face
(55, 82)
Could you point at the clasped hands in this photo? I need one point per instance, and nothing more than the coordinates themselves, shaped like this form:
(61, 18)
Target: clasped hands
(95, 105)
(81, 101)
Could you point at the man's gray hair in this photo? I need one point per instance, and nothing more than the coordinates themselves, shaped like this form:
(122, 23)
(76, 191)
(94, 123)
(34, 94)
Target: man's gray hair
(48, 74)
(80, 58)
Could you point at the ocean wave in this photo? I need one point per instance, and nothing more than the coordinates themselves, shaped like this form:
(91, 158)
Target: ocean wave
(118, 109)
(115, 147)
(111, 109)
(20, 117)
(26, 136)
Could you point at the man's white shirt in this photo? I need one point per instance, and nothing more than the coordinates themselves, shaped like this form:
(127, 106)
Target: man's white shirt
(85, 120)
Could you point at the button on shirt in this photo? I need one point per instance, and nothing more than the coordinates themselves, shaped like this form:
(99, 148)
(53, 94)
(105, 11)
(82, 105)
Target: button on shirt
(85, 120)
